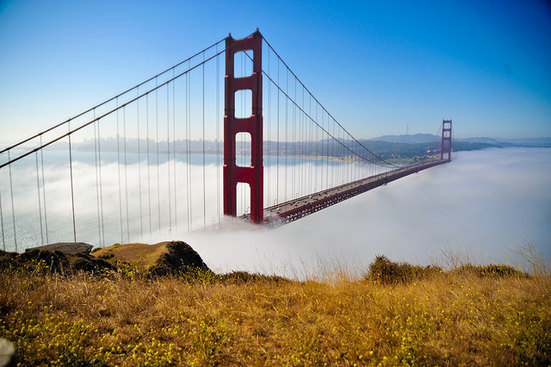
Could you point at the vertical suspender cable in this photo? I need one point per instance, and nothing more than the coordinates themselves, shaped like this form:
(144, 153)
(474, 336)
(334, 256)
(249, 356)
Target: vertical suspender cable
(13, 206)
(295, 156)
(119, 171)
(327, 153)
(326, 144)
(2, 223)
(328, 156)
(43, 191)
(343, 157)
(310, 144)
(317, 154)
(218, 136)
(39, 200)
(157, 145)
(338, 171)
(188, 134)
(322, 146)
(97, 178)
(190, 186)
(330, 145)
(148, 162)
(125, 173)
(72, 188)
(337, 168)
(139, 161)
(204, 172)
(348, 163)
(277, 150)
(323, 152)
(188, 168)
(174, 148)
(168, 156)
(332, 155)
(286, 197)
(332, 148)
(336, 149)
(345, 161)
(268, 142)
(100, 186)
(303, 145)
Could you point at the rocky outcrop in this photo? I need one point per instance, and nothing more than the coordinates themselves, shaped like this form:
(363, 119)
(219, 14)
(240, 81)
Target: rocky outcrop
(164, 258)
(174, 257)
(65, 247)
(53, 262)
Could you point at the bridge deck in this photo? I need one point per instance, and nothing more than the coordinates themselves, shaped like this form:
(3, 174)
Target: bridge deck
(295, 209)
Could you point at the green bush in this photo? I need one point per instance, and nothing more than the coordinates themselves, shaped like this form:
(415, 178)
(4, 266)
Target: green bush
(384, 271)
(490, 270)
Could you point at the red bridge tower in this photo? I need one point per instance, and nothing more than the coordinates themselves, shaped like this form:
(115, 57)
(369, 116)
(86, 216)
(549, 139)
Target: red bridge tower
(233, 174)
(446, 147)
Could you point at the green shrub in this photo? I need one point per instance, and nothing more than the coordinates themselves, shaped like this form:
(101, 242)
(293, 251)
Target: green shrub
(490, 270)
(238, 277)
(388, 272)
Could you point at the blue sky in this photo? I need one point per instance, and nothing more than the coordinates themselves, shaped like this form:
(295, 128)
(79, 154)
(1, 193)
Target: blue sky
(376, 65)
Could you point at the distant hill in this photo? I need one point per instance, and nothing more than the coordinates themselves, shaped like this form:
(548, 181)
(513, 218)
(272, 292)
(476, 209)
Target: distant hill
(535, 142)
(481, 142)
(409, 139)
(393, 150)
(519, 142)
(484, 140)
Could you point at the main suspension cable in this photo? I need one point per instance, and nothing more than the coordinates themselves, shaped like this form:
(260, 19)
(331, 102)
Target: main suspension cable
(110, 99)
(304, 86)
(42, 146)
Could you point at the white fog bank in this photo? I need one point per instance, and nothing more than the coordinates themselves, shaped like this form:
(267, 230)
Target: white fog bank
(485, 204)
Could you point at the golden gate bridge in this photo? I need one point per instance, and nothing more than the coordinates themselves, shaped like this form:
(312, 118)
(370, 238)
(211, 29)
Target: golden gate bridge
(229, 131)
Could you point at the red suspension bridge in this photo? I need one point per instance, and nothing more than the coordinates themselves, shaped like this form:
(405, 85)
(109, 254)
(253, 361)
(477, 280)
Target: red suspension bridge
(230, 131)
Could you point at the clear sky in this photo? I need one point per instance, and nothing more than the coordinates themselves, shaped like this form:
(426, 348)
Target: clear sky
(376, 65)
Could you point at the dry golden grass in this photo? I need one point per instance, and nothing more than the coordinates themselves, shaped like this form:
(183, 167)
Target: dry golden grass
(454, 318)
(140, 255)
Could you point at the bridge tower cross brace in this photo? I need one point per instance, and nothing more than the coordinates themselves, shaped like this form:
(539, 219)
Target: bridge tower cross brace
(234, 174)
(446, 147)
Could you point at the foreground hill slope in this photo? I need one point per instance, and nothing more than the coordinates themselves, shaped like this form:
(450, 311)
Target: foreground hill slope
(397, 314)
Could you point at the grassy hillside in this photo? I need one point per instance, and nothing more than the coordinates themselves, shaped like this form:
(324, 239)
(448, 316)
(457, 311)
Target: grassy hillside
(397, 314)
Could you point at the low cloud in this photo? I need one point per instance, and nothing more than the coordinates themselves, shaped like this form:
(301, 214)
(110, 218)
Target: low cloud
(484, 204)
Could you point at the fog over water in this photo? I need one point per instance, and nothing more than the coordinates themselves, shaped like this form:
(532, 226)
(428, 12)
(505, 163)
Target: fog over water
(132, 198)
(484, 205)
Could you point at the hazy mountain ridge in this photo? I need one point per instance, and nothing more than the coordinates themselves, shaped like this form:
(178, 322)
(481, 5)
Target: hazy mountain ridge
(520, 142)
(409, 139)
(498, 142)
(386, 147)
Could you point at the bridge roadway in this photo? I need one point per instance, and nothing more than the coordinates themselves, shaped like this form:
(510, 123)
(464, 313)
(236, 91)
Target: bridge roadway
(295, 209)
